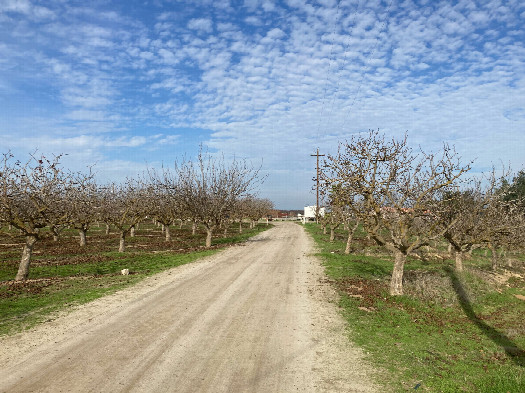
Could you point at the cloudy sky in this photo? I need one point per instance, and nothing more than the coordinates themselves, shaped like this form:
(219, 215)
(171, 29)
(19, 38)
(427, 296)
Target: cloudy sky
(130, 84)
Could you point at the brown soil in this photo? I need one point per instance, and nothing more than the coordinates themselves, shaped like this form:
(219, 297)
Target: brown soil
(257, 318)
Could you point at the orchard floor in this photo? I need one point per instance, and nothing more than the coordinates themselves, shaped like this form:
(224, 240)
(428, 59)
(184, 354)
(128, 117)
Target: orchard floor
(254, 318)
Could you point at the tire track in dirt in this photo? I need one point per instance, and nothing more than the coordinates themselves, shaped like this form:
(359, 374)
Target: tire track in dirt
(254, 318)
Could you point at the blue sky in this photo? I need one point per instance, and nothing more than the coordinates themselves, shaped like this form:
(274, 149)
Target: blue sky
(130, 84)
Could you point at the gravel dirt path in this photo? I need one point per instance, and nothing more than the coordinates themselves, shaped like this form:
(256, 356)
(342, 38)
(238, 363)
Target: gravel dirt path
(253, 318)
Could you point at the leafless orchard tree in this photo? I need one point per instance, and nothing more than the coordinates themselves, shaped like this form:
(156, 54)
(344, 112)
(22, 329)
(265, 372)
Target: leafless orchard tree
(479, 215)
(123, 206)
(210, 188)
(82, 203)
(343, 199)
(256, 208)
(166, 206)
(30, 196)
(397, 190)
(336, 205)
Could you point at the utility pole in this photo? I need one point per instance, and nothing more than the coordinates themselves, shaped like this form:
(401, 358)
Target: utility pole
(317, 181)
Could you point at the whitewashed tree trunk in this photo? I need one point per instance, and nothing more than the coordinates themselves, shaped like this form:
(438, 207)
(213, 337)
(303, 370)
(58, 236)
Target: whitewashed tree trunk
(396, 283)
(23, 268)
(194, 228)
(55, 232)
(107, 229)
(459, 261)
(167, 231)
(351, 231)
(209, 233)
(494, 258)
(82, 234)
(132, 231)
(122, 244)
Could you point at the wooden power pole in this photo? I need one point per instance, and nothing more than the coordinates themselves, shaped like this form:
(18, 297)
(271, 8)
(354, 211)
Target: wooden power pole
(317, 184)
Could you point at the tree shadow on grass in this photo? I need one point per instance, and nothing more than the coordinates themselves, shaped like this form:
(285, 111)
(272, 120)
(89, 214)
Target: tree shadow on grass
(511, 349)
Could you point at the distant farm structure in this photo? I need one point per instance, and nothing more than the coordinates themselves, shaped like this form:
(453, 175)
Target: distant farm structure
(310, 212)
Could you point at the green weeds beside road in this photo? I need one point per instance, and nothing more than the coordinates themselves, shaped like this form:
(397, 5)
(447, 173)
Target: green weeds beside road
(448, 333)
(63, 274)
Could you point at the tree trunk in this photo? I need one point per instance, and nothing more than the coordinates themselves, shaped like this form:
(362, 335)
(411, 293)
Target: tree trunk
(167, 231)
(163, 228)
(194, 228)
(54, 231)
(494, 259)
(23, 268)
(396, 283)
(240, 226)
(107, 229)
(351, 232)
(132, 231)
(82, 233)
(459, 261)
(180, 226)
(122, 244)
(209, 232)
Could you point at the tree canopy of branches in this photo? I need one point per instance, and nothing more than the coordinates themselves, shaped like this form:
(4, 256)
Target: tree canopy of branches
(210, 188)
(82, 203)
(515, 190)
(165, 200)
(480, 214)
(31, 194)
(124, 206)
(395, 191)
(39, 193)
(253, 208)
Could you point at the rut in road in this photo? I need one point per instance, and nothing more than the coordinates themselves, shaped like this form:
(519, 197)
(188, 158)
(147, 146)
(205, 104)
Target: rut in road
(254, 318)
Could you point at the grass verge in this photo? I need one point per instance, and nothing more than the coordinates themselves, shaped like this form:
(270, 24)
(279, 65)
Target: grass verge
(448, 333)
(59, 281)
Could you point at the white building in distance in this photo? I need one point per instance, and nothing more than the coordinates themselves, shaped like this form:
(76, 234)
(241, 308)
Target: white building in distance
(309, 213)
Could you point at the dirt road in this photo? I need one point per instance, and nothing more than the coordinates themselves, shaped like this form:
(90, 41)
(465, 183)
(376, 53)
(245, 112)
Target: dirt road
(254, 318)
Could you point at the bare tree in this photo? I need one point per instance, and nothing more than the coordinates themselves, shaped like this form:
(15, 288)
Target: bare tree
(82, 203)
(210, 189)
(165, 201)
(256, 208)
(479, 215)
(397, 190)
(30, 195)
(123, 206)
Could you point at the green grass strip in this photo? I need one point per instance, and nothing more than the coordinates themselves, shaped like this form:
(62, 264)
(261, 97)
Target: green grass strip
(449, 333)
(53, 288)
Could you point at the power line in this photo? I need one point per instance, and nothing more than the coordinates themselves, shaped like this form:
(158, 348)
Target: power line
(317, 183)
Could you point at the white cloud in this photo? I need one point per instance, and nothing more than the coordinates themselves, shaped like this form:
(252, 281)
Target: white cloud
(202, 25)
(267, 79)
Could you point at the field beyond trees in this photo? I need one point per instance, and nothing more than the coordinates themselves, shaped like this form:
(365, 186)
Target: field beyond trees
(63, 273)
(450, 331)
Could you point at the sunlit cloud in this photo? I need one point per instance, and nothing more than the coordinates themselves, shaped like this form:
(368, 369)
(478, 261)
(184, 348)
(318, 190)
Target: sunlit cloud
(265, 79)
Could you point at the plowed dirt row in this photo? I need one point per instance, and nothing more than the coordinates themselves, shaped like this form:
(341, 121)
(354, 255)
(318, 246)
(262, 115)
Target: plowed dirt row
(254, 318)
